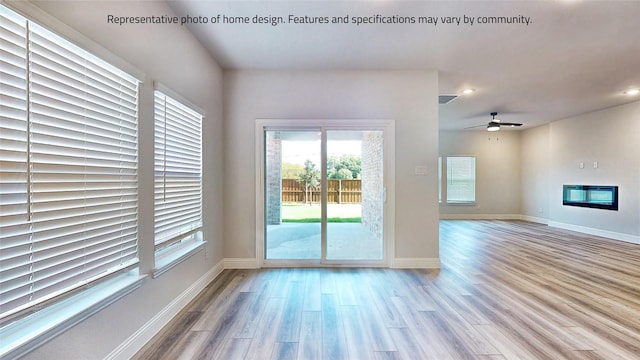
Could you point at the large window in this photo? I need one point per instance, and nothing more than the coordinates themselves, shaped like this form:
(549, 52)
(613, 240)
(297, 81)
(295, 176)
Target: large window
(68, 167)
(461, 179)
(178, 172)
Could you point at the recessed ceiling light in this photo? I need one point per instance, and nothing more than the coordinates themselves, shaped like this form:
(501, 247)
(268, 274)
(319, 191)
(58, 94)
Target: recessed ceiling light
(632, 92)
(467, 91)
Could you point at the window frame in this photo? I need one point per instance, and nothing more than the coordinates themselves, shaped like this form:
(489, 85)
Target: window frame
(440, 179)
(183, 245)
(448, 180)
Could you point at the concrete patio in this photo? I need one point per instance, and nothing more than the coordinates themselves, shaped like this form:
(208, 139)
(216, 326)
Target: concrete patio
(301, 241)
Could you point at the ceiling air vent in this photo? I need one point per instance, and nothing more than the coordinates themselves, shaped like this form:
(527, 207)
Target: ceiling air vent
(445, 99)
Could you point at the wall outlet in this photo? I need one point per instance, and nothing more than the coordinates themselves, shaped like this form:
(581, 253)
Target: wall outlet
(541, 210)
(595, 164)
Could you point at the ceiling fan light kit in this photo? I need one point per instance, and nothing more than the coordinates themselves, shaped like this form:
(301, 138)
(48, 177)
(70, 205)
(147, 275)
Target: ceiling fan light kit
(495, 124)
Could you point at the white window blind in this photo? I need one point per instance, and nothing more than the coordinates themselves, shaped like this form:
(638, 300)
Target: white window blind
(178, 171)
(461, 179)
(68, 176)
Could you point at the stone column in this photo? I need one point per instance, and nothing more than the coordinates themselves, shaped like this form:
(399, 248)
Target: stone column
(273, 178)
(372, 182)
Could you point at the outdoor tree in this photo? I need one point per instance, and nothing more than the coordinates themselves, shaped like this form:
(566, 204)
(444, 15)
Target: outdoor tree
(291, 170)
(343, 173)
(349, 162)
(309, 177)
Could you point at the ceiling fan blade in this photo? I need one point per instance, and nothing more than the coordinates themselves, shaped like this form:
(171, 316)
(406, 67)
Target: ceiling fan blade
(475, 127)
(510, 124)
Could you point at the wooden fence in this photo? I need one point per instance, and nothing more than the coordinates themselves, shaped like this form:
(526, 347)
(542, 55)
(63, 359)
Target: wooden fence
(338, 191)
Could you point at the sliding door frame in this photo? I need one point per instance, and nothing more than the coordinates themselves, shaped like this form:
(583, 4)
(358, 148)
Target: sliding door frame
(388, 128)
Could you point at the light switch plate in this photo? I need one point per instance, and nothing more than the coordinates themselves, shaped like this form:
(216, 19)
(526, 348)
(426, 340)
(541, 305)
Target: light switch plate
(420, 170)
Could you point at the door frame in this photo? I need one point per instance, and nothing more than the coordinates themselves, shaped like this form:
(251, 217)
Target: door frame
(387, 126)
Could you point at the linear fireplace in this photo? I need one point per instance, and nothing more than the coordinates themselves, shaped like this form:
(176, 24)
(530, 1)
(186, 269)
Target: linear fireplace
(592, 196)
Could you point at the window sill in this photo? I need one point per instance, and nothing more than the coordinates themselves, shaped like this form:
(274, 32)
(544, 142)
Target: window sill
(24, 335)
(461, 203)
(176, 254)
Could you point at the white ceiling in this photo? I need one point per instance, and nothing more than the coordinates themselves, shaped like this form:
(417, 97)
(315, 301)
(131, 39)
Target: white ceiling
(574, 56)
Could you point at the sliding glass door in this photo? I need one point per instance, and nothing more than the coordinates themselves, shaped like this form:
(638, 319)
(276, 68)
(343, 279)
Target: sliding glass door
(354, 195)
(324, 195)
(293, 208)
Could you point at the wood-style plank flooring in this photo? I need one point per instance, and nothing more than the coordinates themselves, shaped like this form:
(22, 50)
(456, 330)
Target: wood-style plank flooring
(506, 290)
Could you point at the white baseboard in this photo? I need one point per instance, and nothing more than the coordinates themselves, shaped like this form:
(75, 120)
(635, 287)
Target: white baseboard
(398, 263)
(597, 232)
(480, 217)
(582, 229)
(139, 339)
(241, 263)
(416, 263)
(534, 219)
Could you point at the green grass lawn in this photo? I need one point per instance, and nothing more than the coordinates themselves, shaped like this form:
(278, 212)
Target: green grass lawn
(336, 213)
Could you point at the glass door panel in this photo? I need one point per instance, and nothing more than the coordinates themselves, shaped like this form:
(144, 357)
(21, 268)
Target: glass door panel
(355, 195)
(292, 195)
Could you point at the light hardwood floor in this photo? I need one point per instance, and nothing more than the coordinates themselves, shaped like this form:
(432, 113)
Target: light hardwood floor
(506, 290)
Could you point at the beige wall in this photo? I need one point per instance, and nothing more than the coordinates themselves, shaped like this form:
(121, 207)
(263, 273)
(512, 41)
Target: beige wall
(535, 173)
(407, 97)
(610, 137)
(171, 55)
(498, 183)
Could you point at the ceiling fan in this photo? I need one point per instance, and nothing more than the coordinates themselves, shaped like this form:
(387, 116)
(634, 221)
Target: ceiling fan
(495, 124)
